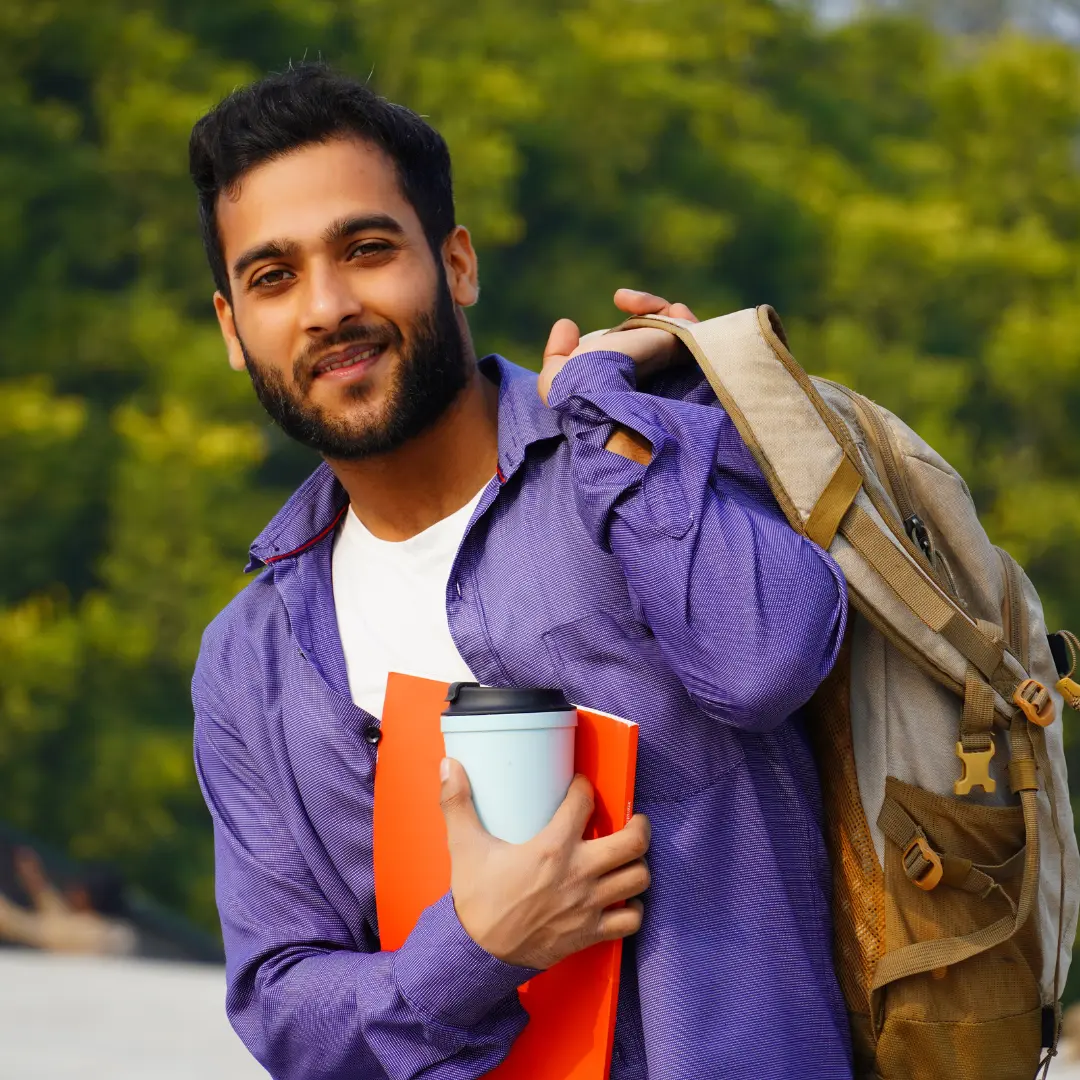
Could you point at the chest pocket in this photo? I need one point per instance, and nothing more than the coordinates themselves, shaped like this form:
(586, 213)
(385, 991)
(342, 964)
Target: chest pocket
(607, 661)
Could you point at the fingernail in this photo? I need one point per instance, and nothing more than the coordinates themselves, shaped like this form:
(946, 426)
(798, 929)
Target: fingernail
(444, 770)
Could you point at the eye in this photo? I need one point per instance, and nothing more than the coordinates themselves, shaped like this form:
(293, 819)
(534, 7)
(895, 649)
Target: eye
(269, 278)
(367, 249)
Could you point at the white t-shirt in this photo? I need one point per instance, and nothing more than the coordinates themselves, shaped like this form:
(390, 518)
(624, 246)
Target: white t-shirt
(391, 605)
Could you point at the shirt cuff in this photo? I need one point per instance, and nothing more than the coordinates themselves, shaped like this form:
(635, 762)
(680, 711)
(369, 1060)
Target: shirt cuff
(596, 391)
(445, 975)
(589, 376)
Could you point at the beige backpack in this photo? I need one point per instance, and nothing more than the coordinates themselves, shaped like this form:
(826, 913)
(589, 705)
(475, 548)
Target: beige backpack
(938, 734)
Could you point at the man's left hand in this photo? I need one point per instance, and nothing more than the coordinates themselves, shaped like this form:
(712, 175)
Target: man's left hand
(651, 350)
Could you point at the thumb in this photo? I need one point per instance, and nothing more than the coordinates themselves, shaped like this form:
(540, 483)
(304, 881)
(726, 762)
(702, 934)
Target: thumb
(455, 798)
(562, 340)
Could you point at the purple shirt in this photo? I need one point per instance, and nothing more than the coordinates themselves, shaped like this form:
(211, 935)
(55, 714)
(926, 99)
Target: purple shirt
(675, 595)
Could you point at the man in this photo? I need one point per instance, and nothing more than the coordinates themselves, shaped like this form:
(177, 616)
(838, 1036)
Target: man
(472, 522)
(85, 914)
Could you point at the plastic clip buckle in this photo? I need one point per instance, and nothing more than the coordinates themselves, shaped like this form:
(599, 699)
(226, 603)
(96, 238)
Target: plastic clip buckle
(1035, 702)
(931, 876)
(976, 769)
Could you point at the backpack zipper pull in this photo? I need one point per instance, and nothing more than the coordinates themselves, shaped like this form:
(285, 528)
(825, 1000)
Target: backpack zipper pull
(1066, 649)
(919, 534)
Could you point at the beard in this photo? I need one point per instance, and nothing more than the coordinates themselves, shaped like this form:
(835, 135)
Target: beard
(432, 371)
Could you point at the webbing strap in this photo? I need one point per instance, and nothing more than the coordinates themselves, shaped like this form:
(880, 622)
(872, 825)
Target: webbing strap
(975, 747)
(977, 719)
(943, 952)
(887, 559)
(970, 640)
(916, 591)
(1023, 776)
(957, 873)
(833, 503)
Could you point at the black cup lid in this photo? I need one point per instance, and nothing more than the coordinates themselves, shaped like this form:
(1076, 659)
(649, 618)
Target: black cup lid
(472, 699)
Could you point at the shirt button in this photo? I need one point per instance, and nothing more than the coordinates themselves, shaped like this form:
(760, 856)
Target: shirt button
(372, 735)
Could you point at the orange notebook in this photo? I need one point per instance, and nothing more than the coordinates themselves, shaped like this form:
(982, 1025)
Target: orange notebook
(571, 1006)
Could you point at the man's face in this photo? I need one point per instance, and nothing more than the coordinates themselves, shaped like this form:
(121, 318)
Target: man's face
(340, 312)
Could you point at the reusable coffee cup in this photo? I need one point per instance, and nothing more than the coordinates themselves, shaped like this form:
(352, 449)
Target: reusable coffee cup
(517, 748)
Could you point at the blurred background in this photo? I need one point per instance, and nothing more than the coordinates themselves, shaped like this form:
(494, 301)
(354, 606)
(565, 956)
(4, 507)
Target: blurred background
(900, 180)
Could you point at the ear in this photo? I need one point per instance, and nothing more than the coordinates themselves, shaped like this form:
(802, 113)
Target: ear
(462, 273)
(228, 332)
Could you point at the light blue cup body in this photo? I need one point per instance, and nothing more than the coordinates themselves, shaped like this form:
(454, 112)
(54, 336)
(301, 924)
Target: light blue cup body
(520, 766)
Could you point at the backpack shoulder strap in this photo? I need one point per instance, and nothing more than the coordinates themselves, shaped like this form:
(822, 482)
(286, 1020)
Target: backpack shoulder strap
(816, 474)
(768, 395)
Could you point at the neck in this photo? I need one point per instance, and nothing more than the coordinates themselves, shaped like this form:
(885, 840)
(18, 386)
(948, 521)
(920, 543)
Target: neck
(400, 494)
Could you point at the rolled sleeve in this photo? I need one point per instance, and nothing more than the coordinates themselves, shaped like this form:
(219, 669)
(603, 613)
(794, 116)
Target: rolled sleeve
(446, 976)
(589, 396)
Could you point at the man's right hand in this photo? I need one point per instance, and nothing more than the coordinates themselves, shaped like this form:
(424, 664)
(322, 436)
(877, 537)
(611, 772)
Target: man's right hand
(533, 904)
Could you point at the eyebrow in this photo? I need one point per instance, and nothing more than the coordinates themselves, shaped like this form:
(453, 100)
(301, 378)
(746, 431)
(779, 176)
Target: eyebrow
(349, 226)
(335, 232)
(272, 249)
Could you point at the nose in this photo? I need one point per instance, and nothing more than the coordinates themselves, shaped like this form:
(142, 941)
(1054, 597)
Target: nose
(330, 301)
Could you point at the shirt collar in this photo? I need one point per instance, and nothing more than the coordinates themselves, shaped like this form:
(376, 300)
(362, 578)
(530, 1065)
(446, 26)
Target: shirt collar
(313, 511)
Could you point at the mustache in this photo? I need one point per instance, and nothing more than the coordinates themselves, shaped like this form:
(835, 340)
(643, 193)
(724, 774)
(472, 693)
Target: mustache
(384, 334)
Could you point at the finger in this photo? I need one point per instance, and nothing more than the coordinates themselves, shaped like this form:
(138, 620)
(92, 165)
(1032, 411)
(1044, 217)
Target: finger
(562, 340)
(455, 797)
(574, 813)
(643, 303)
(624, 883)
(636, 302)
(43, 895)
(625, 846)
(621, 922)
(681, 311)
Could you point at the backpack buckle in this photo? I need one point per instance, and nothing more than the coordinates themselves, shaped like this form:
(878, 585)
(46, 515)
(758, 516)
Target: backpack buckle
(922, 864)
(1035, 702)
(976, 772)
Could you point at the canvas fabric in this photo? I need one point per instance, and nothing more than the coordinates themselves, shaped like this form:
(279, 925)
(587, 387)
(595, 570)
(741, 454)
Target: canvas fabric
(958, 979)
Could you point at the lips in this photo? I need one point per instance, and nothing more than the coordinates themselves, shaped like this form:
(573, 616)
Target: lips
(352, 356)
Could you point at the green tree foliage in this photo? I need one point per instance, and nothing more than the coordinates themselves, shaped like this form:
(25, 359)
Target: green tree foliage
(909, 201)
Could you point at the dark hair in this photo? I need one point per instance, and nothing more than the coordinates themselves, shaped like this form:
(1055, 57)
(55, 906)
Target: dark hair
(310, 103)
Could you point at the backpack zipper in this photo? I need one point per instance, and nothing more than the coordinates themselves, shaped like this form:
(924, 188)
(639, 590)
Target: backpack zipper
(881, 444)
(914, 525)
(883, 448)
